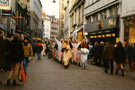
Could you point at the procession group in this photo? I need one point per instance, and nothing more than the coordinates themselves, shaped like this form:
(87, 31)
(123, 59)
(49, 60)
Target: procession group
(103, 54)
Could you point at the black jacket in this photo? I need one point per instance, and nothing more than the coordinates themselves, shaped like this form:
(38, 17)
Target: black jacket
(120, 54)
(17, 53)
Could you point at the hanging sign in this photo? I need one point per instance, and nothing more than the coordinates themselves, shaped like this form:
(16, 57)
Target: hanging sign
(5, 4)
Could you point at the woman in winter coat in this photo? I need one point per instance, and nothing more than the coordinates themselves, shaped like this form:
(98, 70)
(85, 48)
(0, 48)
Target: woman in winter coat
(17, 56)
(120, 56)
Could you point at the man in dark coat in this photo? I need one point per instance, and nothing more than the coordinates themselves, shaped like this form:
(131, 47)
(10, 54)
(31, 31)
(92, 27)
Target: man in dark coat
(1, 48)
(17, 56)
(108, 55)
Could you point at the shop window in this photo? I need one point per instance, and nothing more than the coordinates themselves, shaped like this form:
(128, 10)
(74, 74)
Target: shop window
(129, 30)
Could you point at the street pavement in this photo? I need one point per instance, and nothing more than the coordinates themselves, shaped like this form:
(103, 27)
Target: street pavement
(48, 74)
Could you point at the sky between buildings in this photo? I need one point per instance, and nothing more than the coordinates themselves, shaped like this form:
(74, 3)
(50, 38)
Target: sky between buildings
(51, 8)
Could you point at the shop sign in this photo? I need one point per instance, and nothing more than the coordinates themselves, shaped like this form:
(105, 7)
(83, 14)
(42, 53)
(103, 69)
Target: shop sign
(5, 4)
(111, 23)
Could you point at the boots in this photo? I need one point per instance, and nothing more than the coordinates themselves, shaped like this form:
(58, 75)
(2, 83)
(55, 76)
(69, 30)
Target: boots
(8, 82)
(14, 82)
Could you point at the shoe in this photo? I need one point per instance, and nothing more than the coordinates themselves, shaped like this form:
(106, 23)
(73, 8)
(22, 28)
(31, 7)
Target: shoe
(123, 73)
(14, 82)
(106, 71)
(8, 82)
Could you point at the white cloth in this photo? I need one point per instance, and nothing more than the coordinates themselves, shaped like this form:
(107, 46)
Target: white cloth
(59, 45)
(83, 58)
(84, 55)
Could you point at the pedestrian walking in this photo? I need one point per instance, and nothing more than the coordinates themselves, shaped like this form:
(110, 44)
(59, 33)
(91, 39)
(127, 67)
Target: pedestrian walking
(39, 47)
(17, 56)
(96, 53)
(120, 57)
(108, 55)
(28, 53)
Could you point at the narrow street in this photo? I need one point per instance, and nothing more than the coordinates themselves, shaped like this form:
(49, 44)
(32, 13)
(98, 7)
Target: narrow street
(50, 75)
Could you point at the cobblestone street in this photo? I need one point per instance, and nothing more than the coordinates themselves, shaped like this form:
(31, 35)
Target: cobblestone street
(50, 75)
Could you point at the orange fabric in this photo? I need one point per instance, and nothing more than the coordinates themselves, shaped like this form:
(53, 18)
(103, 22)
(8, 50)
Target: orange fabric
(53, 53)
(23, 75)
(39, 44)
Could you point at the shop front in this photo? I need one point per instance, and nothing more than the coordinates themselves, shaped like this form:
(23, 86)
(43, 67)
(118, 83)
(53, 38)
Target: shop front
(129, 32)
(106, 30)
(128, 17)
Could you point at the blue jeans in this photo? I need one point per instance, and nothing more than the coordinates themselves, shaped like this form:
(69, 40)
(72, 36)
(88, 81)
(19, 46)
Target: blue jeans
(39, 55)
(25, 63)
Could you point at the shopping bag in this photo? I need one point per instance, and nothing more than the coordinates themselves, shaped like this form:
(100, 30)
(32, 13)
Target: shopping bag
(23, 75)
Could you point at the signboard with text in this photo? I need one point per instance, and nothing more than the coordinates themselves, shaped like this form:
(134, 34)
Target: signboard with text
(5, 4)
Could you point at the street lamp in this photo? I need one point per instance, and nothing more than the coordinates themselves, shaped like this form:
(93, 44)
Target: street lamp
(54, 1)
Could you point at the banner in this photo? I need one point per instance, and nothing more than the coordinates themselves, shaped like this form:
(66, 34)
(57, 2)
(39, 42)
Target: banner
(5, 4)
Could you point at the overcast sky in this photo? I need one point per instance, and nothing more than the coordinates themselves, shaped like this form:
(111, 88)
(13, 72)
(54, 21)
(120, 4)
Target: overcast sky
(51, 8)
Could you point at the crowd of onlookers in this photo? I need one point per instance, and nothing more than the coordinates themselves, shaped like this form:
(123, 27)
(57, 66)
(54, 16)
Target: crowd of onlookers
(105, 54)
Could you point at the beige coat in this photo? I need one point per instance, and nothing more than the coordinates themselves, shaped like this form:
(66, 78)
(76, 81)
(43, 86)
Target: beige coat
(28, 51)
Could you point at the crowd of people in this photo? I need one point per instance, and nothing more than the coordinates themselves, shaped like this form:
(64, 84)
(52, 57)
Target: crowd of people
(104, 54)
(16, 52)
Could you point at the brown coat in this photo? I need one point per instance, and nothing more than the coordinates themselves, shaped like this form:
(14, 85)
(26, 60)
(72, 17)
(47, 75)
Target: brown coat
(28, 51)
(108, 52)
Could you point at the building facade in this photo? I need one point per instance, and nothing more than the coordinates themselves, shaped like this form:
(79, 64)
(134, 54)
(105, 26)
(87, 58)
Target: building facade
(102, 20)
(67, 19)
(61, 17)
(54, 27)
(128, 19)
(34, 7)
(47, 27)
(76, 19)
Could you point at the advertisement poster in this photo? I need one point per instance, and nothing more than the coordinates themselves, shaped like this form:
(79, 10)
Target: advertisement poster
(5, 4)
